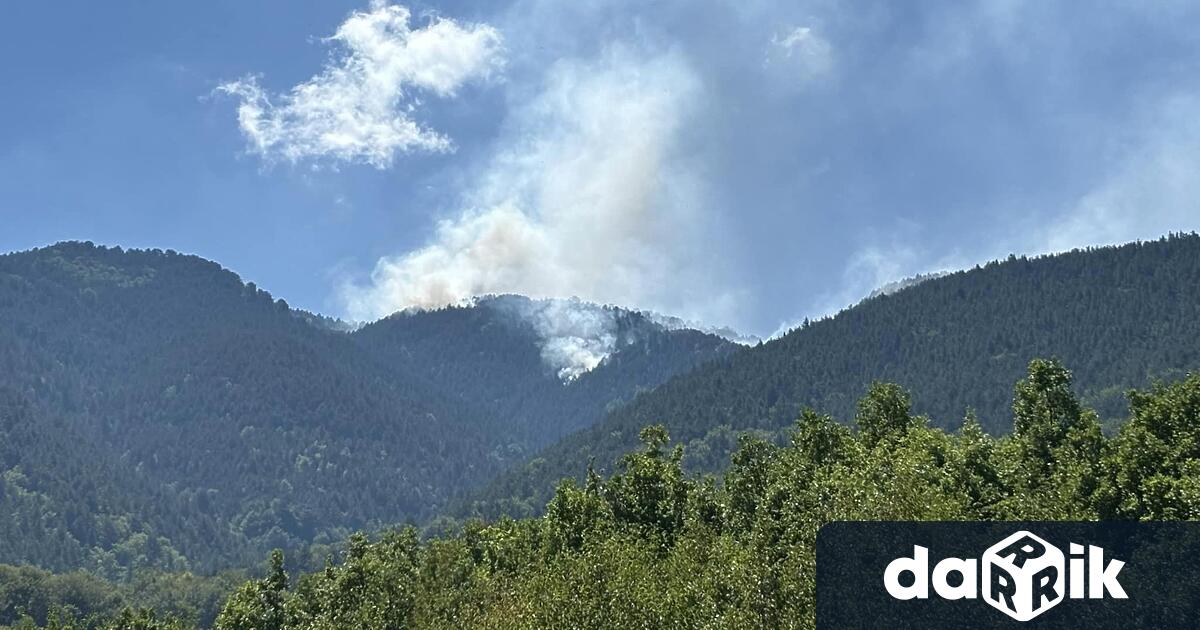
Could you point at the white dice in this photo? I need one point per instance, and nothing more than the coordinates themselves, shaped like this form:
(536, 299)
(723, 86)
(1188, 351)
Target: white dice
(1023, 576)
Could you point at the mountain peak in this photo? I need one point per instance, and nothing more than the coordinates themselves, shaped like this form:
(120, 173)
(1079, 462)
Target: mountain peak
(577, 336)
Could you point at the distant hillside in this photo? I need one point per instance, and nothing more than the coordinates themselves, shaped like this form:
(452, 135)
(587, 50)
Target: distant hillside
(905, 283)
(157, 411)
(491, 355)
(1119, 317)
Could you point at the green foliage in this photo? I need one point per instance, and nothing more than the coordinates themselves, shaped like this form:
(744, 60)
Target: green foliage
(884, 413)
(1153, 469)
(259, 604)
(157, 417)
(1044, 412)
(158, 413)
(526, 402)
(654, 547)
(144, 619)
(1121, 316)
(33, 596)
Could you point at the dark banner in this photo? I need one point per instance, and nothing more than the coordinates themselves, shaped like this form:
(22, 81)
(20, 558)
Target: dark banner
(1008, 575)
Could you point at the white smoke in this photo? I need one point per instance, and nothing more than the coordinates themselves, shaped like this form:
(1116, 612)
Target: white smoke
(670, 322)
(881, 268)
(1152, 190)
(896, 286)
(576, 336)
(589, 195)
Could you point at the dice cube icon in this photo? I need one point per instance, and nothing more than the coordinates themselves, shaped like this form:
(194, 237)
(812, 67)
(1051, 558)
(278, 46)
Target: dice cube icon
(1023, 576)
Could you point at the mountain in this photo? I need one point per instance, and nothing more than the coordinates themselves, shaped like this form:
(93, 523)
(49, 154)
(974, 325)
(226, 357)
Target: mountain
(516, 368)
(156, 410)
(904, 283)
(1120, 317)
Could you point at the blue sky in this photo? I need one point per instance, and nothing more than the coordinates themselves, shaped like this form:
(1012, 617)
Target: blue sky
(744, 163)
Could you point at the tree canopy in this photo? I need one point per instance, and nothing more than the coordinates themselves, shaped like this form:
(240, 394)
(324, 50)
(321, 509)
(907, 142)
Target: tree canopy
(651, 546)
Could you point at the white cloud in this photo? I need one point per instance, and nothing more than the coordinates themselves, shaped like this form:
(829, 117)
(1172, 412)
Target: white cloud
(360, 107)
(590, 194)
(800, 51)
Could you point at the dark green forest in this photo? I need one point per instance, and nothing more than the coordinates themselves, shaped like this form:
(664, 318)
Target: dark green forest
(501, 370)
(1120, 316)
(654, 547)
(157, 412)
(164, 425)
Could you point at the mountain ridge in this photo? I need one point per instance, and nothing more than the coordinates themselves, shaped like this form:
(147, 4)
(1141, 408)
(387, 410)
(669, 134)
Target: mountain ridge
(272, 427)
(1120, 316)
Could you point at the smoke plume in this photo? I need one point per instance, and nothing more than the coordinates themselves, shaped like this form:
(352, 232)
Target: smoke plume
(589, 196)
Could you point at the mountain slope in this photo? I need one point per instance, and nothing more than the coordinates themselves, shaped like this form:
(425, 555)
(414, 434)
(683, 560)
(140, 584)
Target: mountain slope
(161, 412)
(492, 354)
(193, 382)
(1118, 316)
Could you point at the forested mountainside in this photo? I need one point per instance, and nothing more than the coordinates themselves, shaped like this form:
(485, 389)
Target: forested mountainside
(652, 547)
(1119, 317)
(503, 369)
(156, 411)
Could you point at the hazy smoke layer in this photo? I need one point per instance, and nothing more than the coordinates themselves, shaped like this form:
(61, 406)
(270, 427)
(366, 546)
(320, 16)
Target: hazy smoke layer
(671, 322)
(896, 286)
(588, 197)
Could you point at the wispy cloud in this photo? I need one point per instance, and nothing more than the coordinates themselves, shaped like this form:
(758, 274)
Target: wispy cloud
(1153, 188)
(589, 194)
(1149, 189)
(361, 106)
(801, 51)
(882, 264)
(868, 268)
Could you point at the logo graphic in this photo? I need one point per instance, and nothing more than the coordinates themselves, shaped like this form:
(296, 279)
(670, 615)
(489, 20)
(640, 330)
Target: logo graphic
(1022, 576)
